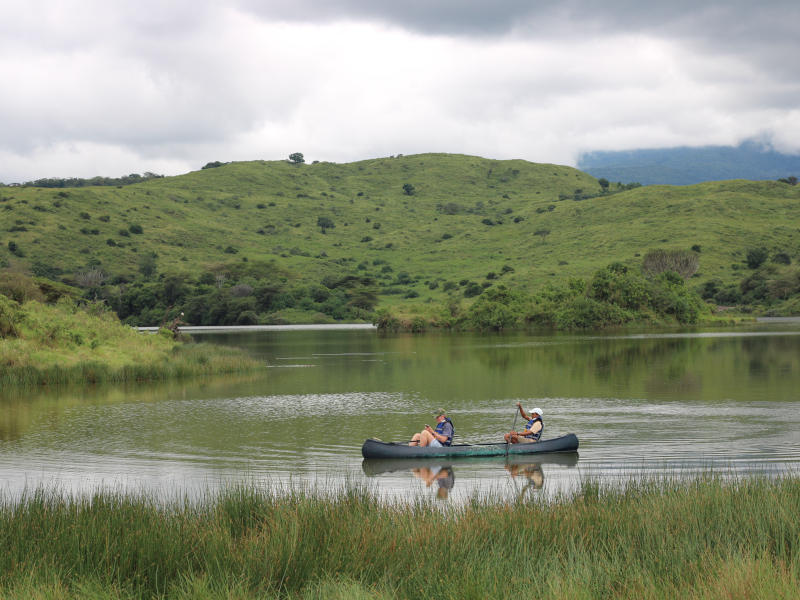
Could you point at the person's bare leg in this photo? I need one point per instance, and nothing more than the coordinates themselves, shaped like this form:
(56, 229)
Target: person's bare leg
(414, 440)
(425, 438)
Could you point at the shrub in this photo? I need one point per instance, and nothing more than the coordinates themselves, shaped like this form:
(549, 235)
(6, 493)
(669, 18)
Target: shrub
(247, 317)
(472, 289)
(756, 257)
(10, 315)
(585, 313)
(385, 321)
(14, 248)
(683, 262)
(136, 229)
(497, 309)
(782, 258)
(615, 285)
(325, 223)
(728, 296)
(408, 189)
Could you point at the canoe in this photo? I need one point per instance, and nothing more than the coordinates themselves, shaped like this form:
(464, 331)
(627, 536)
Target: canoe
(373, 448)
(373, 467)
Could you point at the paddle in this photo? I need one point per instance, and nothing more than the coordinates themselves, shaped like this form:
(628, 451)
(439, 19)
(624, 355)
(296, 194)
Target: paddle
(508, 441)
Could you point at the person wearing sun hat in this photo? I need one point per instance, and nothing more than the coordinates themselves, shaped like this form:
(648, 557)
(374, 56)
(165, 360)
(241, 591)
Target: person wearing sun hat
(533, 428)
(442, 435)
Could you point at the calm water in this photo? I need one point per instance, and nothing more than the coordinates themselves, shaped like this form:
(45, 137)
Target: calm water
(649, 404)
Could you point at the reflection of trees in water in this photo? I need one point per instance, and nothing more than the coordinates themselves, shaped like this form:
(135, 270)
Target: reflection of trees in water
(22, 409)
(615, 362)
(700, 367)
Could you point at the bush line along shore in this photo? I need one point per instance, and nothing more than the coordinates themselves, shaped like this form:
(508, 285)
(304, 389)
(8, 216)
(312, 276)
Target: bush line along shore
(700, 538)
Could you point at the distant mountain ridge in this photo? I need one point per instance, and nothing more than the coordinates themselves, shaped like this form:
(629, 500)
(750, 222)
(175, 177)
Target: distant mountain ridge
(687, 166)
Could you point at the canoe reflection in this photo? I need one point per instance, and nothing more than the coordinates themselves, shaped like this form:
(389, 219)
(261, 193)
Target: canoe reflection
(373, 467)
(441, 472)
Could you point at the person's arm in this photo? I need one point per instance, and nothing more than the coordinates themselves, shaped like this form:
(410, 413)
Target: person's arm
(432, 431)
(522, 412)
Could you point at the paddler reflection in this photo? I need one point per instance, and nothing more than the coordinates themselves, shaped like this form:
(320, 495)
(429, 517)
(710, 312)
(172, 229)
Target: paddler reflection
(531, 472)
(443, 476)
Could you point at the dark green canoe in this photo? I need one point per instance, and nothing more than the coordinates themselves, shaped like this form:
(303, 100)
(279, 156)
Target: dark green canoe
(373, 448)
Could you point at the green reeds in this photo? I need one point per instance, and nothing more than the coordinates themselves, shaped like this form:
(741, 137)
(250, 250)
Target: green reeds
(706, 538)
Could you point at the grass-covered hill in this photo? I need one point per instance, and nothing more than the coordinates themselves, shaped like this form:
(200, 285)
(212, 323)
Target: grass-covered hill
(415, 230)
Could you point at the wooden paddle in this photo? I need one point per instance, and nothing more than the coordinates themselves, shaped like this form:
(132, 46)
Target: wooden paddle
(508, 441)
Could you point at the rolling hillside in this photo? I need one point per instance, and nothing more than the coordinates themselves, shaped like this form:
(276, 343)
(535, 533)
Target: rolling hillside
(417, 227)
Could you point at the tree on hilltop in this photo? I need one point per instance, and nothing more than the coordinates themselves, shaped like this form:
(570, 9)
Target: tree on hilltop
(297, 158)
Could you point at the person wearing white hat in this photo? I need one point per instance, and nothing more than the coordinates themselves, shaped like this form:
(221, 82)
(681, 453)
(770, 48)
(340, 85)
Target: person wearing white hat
(533, 428)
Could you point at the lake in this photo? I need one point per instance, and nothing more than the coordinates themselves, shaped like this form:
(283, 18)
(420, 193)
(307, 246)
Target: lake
(642, 404)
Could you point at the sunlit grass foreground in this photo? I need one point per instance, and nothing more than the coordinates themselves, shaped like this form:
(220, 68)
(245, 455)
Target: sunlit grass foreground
(54, 344)
(705, 538)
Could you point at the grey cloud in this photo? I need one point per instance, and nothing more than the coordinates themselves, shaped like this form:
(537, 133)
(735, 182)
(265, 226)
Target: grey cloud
(713, 19)
(763, 34)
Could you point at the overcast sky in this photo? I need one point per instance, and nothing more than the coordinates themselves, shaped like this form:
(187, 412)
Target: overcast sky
(93, 87)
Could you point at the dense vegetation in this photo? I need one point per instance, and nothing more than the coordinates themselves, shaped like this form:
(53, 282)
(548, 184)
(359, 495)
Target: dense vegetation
(42, 344)
(615, 296)
(696, 539)
(76, 182)
(417, 236)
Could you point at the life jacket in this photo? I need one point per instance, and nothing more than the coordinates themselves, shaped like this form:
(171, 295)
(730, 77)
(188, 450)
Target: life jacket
(440, 430)
(539, 433)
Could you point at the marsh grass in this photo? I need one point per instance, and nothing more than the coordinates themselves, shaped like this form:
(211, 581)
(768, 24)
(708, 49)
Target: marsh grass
(705, 538)
(64, 343)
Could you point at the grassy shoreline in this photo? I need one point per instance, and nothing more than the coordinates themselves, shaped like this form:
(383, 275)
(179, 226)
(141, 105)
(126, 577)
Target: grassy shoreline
(62, 343)
(702, 538)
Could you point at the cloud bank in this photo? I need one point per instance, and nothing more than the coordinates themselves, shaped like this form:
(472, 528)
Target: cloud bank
(94, 88)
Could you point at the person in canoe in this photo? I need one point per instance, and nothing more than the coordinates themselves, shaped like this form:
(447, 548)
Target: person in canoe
(442, 435)
(533, 428)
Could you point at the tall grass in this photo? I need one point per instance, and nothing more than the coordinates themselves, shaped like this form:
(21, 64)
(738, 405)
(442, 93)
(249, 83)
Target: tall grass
(64, 343)
(700, 539)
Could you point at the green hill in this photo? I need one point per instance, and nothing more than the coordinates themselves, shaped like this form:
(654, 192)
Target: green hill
(414, 229)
